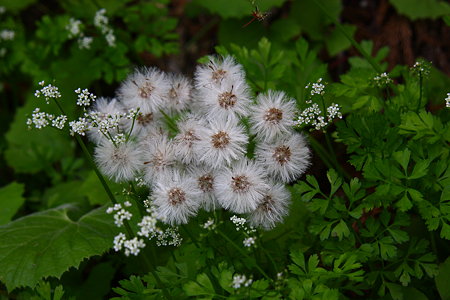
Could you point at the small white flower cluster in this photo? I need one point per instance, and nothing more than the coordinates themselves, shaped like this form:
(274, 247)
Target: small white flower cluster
(241, 225)
(48, 92)
(241, 280)
(84, 98)
(202, 162)
(101, 22)
(120, 214)
(41, 120)
(382, 80)
(314, 116)
(209, 225)
(132, 246)
(2, 10)
(7, 35)
(75, 29)
(317, 88)
(421, 68)
(447, 100)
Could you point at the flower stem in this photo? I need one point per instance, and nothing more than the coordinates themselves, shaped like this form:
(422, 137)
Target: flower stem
(420, 91)
(240, 250)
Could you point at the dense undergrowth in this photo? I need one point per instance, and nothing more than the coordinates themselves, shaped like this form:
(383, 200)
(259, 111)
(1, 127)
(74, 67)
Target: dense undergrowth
(366, 217)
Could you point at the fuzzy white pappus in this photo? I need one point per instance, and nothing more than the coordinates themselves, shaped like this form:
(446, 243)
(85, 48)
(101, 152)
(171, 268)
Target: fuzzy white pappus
(221, 142)
(189, 129)
(273, 115)
(204, 178)
(175, 197)
(144, 89)
(272, 208)
(226, 100)
(178, 96)
(285, 159)
(158, 156)
(218, 71)
(242, 187)
(143, 123)
(120, 163)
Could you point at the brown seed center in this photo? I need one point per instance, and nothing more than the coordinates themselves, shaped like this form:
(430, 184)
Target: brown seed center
(176, 196)
(220, 140)
(145, 119)
(240, 183)
(205, 183)
(173, 93)
(267, 203)
(227, 100)
(218, 75)
(146, 90)
(273, 115)
(282, 154)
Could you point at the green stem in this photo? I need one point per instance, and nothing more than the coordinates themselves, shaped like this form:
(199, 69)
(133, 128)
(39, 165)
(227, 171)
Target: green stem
(241, 251)
(354, 43)
(420, 91)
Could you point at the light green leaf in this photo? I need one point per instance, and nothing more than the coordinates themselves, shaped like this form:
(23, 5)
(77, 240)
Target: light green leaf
(421, 9)
(48, 243)
(442, 280)
(10, 201)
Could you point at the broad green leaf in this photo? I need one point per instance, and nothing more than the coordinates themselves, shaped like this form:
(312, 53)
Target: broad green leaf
(48, 243)
(402, 157)
(334, 180)
(420, 169)
(421, 9)
(202, 286)
(441, 280)
(337, 42)
(340, 230)
(10, 201)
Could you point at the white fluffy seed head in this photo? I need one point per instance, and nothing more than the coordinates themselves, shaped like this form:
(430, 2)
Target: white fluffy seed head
(242, 187)
(144, 123)
(175, 197)
(187, 138)
(272, 208)
(144, 89)
(286, 159)
(273, 115)
(221, 142)
(218, 71)
(225, 101)
(205, 178)
(120, 163)
(178, 97)
(158, 157)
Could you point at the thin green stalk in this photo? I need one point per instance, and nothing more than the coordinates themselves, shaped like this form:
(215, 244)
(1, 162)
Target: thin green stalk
(354, 43)
(267, 254)
(240, 250)
(420, 91)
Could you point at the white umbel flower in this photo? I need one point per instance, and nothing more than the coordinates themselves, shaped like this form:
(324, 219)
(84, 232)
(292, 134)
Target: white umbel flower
(272, 208)
(158, 156)
(120, 163)
(187, 137)
(218, 71)
(144, 89)
(103, 108)
(204, 178)
(227, 100)
(222, 142)
(273, 115)
(242, 187)
(175, 197)
(286, 159)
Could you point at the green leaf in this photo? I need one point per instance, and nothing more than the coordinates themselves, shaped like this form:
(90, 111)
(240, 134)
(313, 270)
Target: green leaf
(334, 180)
(402, 157)
(341, 230)
(337, 42)
(421, 9)
(10, 201)
(202, 286)
(420, 169)
(48, 243)
(441, 280)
